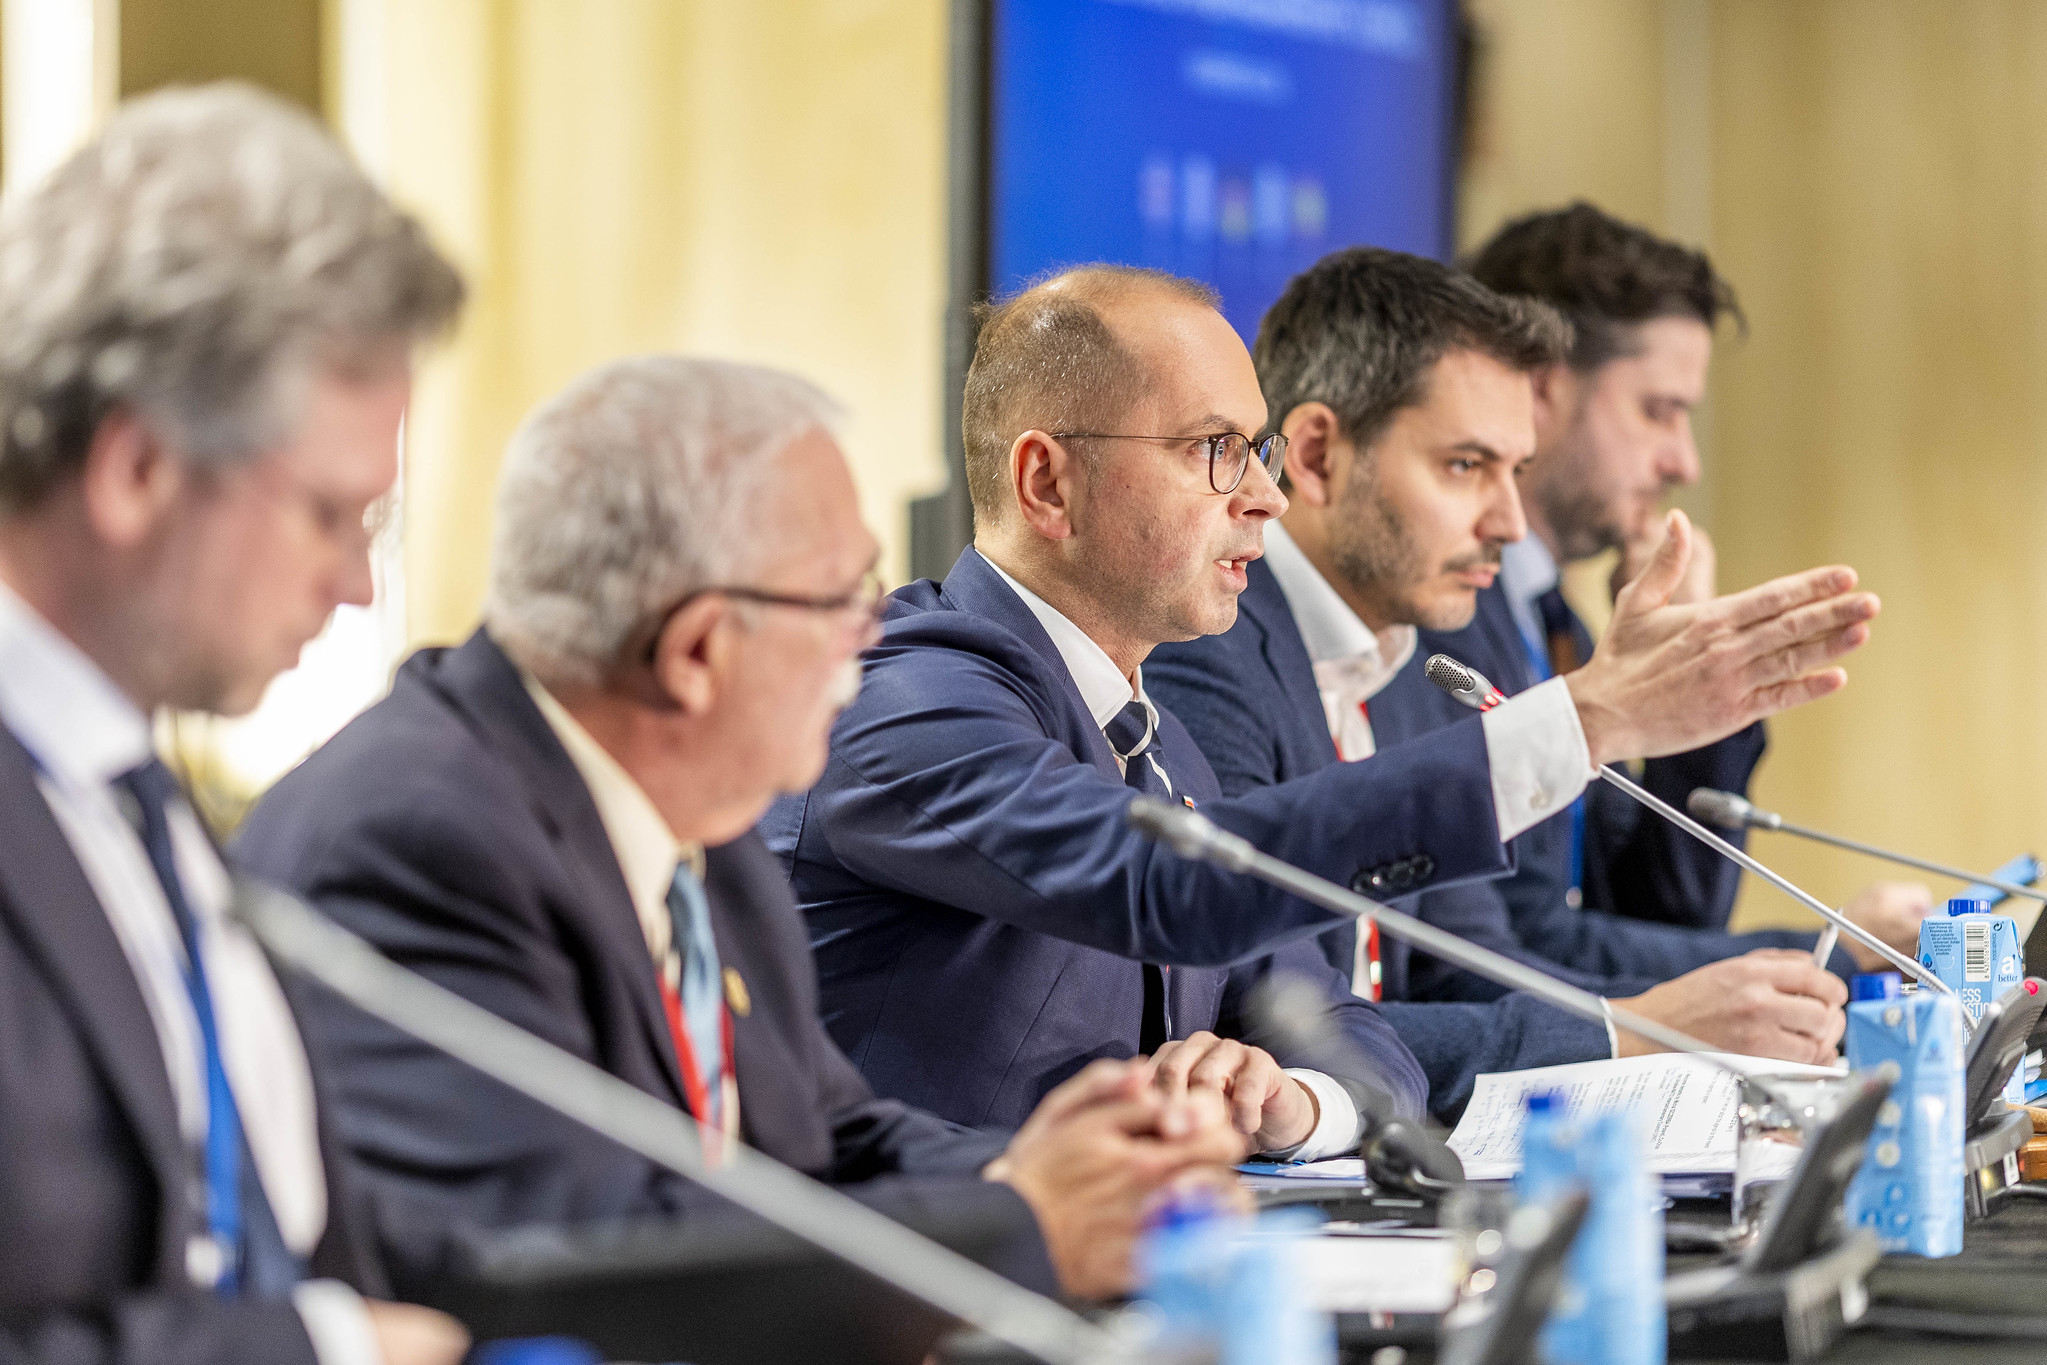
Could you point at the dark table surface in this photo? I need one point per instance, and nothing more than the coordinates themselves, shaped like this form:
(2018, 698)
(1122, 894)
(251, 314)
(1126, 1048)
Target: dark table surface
(2002, 1272)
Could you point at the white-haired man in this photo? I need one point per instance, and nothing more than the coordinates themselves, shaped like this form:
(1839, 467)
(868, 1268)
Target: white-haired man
(207, 318)
(555, 821)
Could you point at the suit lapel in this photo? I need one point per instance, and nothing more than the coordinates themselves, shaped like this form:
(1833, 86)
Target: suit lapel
(973, 586)
(45, 891)
(1495, 622)
(1264, 604)
(484, 683)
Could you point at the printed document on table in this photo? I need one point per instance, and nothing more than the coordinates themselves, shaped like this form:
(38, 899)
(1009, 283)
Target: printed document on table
(1687, 1109)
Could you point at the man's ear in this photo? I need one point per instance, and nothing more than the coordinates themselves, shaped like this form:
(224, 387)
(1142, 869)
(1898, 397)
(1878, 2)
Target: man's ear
(1044, 475)
(693, 654)
(129, 478)
(1316, 453)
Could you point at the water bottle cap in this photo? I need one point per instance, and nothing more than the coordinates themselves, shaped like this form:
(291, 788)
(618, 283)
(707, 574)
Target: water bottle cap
(1958, 906)
(1879, 986)
(1184, 1208)
(537, 1351)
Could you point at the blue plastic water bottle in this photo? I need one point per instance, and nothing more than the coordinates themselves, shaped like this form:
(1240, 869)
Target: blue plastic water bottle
(1183, 1264)
(1909, 1188)
(1219, 1283)
(1978, 955)
(1609, 1308)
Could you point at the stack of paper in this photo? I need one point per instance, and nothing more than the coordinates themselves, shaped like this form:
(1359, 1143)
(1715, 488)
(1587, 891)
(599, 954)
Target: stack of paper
(1687, 1106)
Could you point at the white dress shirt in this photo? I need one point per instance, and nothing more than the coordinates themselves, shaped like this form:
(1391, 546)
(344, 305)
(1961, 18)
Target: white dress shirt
(1352, 661)
(1105, 691)
(83, 733)
(1527, 571)
(646, 848)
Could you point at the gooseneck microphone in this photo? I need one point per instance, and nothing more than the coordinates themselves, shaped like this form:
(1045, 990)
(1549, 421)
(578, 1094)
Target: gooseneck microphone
(1466, 684)
(1725, 810)
(316, 947)
(1195, 837)
(1441, 669)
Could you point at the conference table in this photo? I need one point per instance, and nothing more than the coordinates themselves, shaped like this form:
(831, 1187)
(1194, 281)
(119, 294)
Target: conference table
(2001, 1272)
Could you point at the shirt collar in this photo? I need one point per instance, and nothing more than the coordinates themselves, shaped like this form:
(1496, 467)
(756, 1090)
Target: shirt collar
(1103, 688)
(1329, 628)
(63, 708)
(646, 848)
(1527, 571)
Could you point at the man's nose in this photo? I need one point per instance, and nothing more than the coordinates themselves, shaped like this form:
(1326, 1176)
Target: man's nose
(1258, 494)
(1681, 456)
(357, 584)
(1503, 519)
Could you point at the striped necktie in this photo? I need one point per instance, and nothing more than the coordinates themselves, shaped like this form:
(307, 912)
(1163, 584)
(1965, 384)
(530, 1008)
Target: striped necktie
(1133, 735)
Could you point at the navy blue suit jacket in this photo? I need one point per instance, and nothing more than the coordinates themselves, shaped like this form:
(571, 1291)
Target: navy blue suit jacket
(449, 827)
(1630, 852)
(94, 1174)
(980, 909)
(1249, 698)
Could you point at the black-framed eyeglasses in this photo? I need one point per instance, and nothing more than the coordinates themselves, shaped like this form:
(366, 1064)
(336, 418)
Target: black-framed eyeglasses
(1229, 452)
(865, 599)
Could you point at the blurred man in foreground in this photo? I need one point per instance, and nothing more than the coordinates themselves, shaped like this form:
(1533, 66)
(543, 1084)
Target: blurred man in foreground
(207, 319)
(1406, 404)
(555, 820)
(985, 919)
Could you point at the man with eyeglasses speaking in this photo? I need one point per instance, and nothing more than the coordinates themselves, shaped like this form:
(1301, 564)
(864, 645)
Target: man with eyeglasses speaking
(984, 921)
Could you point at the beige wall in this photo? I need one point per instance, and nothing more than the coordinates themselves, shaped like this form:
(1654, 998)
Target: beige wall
(1872, 174)
(766, 181)
(761, 181)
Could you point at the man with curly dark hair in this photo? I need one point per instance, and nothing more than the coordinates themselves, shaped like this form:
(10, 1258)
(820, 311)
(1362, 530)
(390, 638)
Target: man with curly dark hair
(1614, 436)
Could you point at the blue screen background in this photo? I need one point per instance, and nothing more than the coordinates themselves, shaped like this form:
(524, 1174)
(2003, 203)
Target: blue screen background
(1234, 141)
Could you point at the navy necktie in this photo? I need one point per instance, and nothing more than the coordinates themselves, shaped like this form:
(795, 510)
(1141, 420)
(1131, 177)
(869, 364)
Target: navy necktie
(1559, 629)
(1135, 739)
(249, 1251)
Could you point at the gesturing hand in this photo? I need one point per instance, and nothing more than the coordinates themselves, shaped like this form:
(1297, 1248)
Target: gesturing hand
(1271, 1109)
(1671, 676)
(1891, 911)
(1098, 1153)
(410, 1335)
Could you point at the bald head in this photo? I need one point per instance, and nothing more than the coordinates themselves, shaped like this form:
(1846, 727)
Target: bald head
(1054, 359)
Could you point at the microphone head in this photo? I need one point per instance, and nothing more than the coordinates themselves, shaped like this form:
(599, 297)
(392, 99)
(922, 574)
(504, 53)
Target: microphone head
(1155, 819)
(1461, 681)
(1453, 677)
(1722, 810)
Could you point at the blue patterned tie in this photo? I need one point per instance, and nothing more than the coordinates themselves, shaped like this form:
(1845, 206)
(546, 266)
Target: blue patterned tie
(702, 989)
(253, 1257)
(1135, 739)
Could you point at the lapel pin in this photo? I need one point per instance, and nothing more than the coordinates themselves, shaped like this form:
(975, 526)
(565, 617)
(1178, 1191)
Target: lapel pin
(736, 993)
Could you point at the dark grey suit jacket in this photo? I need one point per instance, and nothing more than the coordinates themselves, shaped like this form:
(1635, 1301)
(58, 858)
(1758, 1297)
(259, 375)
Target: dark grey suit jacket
(449, 827)
(94, 1175)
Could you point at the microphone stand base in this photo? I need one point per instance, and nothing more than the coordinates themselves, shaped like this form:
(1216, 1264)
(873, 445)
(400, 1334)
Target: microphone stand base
(1991, 1158)
(1727, 1312)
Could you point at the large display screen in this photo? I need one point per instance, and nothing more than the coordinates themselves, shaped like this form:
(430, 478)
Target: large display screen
(1235, 141)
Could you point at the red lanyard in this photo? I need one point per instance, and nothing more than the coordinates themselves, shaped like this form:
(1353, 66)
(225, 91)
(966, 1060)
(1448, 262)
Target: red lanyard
(1369, 928)
(693, 1087)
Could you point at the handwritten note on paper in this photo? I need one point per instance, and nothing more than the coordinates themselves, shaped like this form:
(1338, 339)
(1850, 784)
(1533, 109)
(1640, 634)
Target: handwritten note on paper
(1687, 1108)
